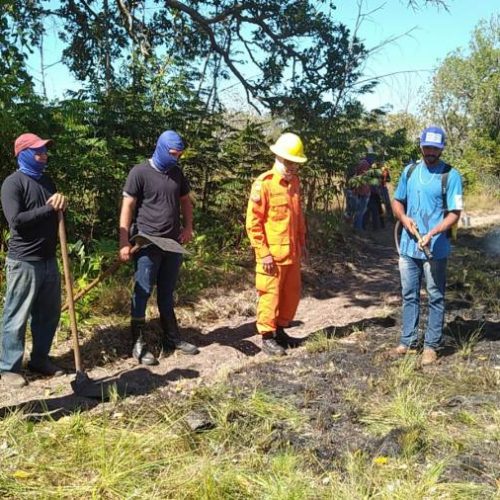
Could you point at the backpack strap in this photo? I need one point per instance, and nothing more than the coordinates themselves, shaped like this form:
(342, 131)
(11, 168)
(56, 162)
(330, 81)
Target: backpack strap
(444, 182)
(444, 190)
(410, 171)
(413, 166)
(444, 186)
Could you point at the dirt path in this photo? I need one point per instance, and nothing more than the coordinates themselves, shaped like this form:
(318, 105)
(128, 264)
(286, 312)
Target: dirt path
(337, 295)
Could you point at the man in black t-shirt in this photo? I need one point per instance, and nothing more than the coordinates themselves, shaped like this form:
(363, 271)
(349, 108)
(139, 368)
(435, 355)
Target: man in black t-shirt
(155, 195)
(30, 204)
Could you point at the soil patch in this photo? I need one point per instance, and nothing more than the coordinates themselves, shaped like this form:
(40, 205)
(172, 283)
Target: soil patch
(353, 299)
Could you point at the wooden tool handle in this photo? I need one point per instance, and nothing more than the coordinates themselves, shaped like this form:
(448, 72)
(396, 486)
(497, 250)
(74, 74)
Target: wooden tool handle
(69, 291)
(425, 249)
(108, 272)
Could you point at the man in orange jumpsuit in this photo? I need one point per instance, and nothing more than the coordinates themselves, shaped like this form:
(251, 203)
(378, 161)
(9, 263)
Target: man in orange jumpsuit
(276, 229)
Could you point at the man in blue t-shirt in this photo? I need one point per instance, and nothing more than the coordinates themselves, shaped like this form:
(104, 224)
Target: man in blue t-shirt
(155, 196)
(425, 208)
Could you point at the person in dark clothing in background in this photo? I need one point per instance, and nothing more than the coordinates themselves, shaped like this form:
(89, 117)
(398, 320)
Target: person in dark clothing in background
(384, 192)
(31, 204)
(374, 211)
(361, 192)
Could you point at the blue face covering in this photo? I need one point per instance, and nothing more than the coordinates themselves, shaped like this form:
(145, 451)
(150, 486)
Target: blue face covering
(29, 165)
(162, 159)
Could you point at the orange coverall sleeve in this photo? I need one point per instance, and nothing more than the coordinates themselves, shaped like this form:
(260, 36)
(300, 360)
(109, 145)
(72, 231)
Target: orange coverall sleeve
(256, 216)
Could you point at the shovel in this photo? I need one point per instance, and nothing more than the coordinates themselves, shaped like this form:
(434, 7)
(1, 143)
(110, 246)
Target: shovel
(83, 385)
(140, 240)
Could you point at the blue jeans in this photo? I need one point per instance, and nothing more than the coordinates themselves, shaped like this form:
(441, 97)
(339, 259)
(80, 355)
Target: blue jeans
(350, 203)
(412, 271)
(33, 291)
(155, 267)
(361, 205)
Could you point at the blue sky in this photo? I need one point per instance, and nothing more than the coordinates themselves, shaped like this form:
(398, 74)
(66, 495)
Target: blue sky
(433, 34)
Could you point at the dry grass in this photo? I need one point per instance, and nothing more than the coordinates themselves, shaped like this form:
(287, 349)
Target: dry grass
(217, 305)
(481, 201)
(321, 341)
(147, 449)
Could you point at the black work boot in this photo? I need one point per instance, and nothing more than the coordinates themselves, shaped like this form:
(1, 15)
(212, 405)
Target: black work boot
(45, 367)
(270, 346)
(140, 350)
(284, 340)
(171, 336)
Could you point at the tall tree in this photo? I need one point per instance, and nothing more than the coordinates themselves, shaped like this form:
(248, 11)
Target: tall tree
(465, 97)
(19, 105)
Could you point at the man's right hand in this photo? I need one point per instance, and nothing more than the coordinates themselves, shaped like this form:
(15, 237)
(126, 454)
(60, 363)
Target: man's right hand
(58, 202)
(268, 264)
(125, 253)
(409, 224)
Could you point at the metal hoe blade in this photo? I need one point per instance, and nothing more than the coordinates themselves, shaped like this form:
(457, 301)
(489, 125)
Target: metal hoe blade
(102, 389)
(165, 244)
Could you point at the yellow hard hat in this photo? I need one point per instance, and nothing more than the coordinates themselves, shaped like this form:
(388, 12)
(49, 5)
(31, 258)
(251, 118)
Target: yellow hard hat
(289, 146)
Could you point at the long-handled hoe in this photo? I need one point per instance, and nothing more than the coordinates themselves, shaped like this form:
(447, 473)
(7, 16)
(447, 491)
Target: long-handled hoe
(139, 240)
(82, 385)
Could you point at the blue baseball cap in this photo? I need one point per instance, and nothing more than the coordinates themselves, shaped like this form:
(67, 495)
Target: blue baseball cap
(433, 136)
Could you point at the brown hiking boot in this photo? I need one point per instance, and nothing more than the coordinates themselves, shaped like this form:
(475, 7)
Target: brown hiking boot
(400, 350)
(429, 357)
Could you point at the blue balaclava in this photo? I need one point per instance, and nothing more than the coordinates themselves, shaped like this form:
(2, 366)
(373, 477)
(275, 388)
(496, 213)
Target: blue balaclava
(162, 159)
(29, 165)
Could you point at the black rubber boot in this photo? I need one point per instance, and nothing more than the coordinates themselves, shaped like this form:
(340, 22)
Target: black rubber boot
(45, 367)
(284, 340)
(140, 350)
(270, 346)
(172, 338)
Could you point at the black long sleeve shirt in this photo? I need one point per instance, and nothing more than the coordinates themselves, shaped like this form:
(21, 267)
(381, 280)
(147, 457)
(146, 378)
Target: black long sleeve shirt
(32, 223)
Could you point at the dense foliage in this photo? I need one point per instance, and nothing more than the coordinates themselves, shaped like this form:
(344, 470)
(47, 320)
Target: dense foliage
(465, 98)
(147, 66)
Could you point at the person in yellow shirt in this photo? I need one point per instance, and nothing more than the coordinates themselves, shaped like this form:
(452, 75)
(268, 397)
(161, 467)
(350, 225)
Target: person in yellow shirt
(276, 229)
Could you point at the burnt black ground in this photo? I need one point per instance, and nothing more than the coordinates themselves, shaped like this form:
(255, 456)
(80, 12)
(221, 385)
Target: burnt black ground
(320, 385)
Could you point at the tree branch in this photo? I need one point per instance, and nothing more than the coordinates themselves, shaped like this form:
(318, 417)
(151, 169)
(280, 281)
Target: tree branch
(129, 19)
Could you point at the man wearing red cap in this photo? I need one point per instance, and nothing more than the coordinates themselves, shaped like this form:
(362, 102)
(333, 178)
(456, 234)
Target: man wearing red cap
(30, 204)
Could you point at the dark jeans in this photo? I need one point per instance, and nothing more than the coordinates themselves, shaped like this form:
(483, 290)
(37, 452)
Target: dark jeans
(350, 203)
(373, 213)
(155, 267)
(386, 200)
(361, 204)
(33, 290)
